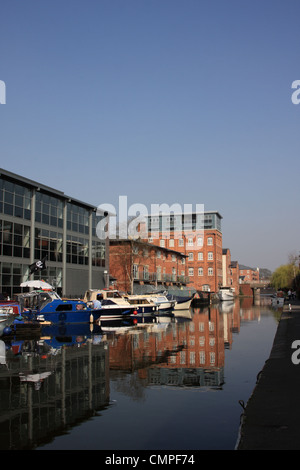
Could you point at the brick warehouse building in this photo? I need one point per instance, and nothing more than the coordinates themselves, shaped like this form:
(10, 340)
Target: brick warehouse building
(202, 246)
(136, 265)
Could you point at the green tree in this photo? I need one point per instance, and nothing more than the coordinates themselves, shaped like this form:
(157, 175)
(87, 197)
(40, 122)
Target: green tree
(283, 277)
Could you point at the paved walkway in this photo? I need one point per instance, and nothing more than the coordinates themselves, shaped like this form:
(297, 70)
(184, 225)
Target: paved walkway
(271, 420)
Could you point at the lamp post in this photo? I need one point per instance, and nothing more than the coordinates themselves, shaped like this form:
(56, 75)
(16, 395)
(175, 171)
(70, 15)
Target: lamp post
(106, 279)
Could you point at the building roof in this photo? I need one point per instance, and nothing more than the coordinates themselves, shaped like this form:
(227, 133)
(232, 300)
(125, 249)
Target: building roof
(39, 186)
(150, 245)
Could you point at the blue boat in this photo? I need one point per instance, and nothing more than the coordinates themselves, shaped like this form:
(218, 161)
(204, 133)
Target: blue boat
(48, 307)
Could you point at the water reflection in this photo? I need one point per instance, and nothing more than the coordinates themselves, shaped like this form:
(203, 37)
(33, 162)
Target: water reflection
(60, 380)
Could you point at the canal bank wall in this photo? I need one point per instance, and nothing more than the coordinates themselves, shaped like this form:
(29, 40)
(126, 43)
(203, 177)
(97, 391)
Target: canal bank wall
(271, 418)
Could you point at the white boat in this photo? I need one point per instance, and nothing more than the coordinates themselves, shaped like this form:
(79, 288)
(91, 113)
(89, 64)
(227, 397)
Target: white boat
(160, 300)
(182, 303)
(226, 293)
(114, 297)
(277, 301)
(7, 317)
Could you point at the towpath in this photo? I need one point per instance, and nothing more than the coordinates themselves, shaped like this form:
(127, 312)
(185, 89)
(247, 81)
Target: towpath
(271, 419)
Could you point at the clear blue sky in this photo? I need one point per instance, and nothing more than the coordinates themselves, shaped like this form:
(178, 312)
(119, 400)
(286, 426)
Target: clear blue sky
(164, 101)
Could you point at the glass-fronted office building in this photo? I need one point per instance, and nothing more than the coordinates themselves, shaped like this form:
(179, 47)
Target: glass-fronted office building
(38, 222)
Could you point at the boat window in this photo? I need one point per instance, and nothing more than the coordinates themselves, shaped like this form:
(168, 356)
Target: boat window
(108, 302)
(64, 307)
(113, 295)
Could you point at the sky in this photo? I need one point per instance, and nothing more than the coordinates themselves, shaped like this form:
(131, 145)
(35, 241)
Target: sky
(161, 101)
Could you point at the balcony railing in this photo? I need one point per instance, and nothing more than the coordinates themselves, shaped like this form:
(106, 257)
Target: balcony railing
(160, 277)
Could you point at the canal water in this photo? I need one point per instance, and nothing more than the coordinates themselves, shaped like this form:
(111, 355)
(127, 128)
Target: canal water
(170, 383)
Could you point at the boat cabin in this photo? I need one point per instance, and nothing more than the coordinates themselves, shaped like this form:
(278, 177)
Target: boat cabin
(36, 300)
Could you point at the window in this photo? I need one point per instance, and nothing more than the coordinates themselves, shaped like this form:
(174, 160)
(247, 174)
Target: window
(135, 271)
(190, 242)
(171, 242)
(206, 288)
(200, 271)
(146, 273)
(200, 256)
(15, 200)
(181, 242)
(210, 271)
(199, 241)
(162, 243)
(209, 241)
(98, 253)
(191, 256)
(191, 272)
(202, 357)
(210, 255)
(77, 249)
(49, 210)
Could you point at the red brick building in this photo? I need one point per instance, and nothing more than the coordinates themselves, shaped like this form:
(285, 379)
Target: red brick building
(201, 246)
(248, 274)
(135, 263)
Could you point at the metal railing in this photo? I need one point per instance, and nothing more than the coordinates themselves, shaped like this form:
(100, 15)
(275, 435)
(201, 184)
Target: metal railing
(160, 277)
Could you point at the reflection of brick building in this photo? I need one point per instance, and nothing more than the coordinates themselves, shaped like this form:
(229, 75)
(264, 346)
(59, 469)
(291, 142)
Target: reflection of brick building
(187, 353)
(202, 244)
(134, 263)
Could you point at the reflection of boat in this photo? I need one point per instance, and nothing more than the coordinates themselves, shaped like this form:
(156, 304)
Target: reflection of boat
(182, 314)
(226, 307)
(61, 330)
(226, 293)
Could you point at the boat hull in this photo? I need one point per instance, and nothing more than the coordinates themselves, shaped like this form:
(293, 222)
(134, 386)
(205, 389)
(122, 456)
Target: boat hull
(183, 305)
(77, 316)
(226, 293)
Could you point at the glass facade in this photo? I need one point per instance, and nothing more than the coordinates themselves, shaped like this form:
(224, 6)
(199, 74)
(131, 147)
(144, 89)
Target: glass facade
(14, 239)
(60, 229)
(48, 244)
(77, 219)
(15, 199)
(206, 221)
(48, 210)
